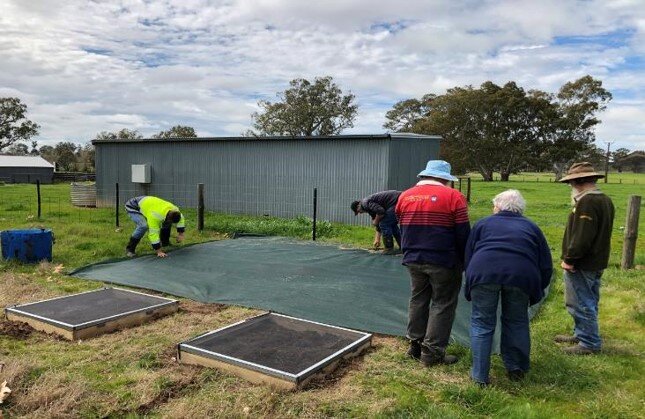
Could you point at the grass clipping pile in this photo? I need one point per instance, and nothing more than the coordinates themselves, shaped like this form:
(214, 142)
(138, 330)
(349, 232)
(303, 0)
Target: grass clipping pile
(18, 330)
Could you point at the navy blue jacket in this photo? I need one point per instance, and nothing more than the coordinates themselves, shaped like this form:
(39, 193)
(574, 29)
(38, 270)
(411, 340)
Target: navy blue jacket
(508, 249)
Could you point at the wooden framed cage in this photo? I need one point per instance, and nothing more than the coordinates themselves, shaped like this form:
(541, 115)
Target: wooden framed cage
(285, 352)
(92, 313)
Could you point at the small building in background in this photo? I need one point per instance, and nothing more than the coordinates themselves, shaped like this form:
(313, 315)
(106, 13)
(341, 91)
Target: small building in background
(25, 169)
(273, 176)
(634, 161)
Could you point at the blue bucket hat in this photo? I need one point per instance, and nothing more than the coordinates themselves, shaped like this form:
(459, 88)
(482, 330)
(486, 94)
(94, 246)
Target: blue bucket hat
(439, 169)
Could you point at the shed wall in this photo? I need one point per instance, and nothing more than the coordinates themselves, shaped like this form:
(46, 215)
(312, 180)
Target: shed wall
(407, 157)
(250, 176)
(26, 174)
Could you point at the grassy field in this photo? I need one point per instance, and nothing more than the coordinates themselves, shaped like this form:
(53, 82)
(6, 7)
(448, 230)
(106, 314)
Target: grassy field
(132, 373)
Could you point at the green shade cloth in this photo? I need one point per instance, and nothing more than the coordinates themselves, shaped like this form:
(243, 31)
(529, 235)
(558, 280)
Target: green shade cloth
(344, 287)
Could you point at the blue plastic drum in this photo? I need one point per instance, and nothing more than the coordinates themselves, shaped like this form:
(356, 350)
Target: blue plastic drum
(28, 246)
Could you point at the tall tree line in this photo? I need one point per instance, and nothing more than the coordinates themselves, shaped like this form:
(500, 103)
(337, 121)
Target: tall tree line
(506, 129)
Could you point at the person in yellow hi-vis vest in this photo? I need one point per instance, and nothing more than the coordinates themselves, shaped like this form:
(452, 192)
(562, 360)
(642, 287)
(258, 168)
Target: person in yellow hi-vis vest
(155, 216)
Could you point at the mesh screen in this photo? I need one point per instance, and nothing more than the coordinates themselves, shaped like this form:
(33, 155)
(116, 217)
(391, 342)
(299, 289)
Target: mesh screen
(280, 343)
(91, 306)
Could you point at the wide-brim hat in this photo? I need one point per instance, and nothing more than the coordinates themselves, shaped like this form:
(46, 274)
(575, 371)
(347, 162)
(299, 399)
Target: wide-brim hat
(438, 169)
(581, 170)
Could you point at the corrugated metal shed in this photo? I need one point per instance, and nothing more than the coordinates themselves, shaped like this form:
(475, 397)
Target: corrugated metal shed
(267, 175)
(25, 169)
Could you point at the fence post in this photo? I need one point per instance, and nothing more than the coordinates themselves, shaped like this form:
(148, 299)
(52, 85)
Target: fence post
(313, 231)
(38, 193)
(631, 231)
(116, 204)
(468, 193)
(200, 207)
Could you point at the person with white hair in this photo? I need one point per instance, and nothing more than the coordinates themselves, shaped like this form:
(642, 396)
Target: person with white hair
(508, 259)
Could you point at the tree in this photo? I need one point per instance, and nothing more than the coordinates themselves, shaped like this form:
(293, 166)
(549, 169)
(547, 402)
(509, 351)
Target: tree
(489, 129)
(17, 149)
(506, 129)
(306, 109)
(178, 131)
(34, 148)
(573, 132)
(85, 157)
(47, 153)
(65, 155)
(406, 113)
(14, 126)
(124, 134)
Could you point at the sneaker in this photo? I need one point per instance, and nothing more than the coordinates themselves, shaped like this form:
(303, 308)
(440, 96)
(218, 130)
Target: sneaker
(414, 351)
(515, 375)
(566, 339)
(580, 350)
(429, 360)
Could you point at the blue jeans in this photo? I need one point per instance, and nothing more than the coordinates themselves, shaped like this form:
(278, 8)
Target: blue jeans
(582, 294)
(516, 339)
(389, 226)
(142, 224)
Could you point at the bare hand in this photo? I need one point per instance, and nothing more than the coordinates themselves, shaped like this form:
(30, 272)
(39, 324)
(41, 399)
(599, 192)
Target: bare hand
(377, 244)
(180, 237)
(567, 267)
(161, 254)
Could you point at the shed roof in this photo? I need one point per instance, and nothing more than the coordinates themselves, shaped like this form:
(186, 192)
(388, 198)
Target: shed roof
(394, 135)
(24, 161)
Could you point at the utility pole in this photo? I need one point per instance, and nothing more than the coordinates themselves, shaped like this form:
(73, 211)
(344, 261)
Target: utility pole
(607, 160)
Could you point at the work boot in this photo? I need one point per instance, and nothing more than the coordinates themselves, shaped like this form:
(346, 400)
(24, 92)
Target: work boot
(414, 351)
(515, 375)
(580, 350)
(388, 242)
(566, 339)
(130, 249)
(429, 359)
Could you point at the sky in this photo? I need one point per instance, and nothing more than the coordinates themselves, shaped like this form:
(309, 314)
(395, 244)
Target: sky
(83, 67)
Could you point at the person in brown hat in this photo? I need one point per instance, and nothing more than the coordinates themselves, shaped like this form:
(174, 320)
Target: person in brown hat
(585, 254)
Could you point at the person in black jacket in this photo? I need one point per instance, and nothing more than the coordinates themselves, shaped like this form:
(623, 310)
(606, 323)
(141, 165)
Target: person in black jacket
(380, 206)
(585, 254)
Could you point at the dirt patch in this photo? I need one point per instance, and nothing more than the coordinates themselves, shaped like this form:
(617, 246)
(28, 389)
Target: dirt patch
(200, 308)
(18, 330)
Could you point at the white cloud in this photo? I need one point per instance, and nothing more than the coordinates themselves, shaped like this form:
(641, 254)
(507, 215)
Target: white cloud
(85, 67)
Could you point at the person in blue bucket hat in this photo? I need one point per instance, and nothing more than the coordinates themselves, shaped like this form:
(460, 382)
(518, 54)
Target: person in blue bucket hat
(434, 230)
(438, 169)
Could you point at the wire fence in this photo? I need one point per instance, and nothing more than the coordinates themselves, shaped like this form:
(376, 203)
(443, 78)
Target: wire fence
(22, 204)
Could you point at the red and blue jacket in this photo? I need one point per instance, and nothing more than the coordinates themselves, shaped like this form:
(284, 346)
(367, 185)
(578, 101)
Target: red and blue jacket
(434, 224)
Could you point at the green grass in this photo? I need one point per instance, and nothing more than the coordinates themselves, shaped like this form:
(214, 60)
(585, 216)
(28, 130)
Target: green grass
(131, 373)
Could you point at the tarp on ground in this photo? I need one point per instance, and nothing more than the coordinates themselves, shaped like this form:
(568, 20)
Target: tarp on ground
(351, 288)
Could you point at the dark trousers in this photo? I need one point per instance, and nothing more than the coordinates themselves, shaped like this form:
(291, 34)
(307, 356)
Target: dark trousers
(389, 226)
(433, 301)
